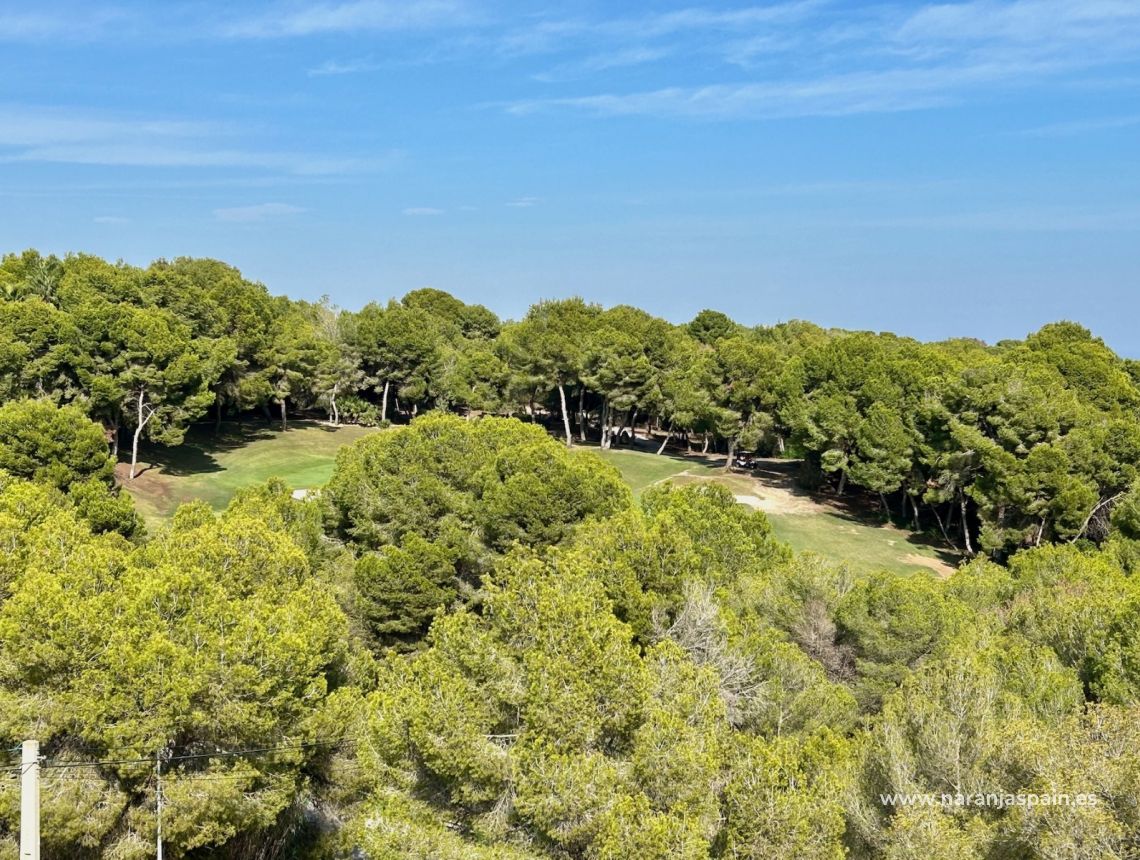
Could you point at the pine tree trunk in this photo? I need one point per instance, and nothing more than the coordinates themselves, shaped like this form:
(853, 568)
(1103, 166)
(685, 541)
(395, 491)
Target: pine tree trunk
(384, 404)
(565, 415)
(284, 420)
(965, 525)
(943, 526)
(139, 424)
(135, 452)
(581, 413)
(605, 441)
(842, 482)
(665, 441)
(731, 453)
(624, 423)
(631, 423)
(218, 415)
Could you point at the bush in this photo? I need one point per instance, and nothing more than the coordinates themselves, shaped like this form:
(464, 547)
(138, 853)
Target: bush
(440, 499)
(56, 445)
(357, 410)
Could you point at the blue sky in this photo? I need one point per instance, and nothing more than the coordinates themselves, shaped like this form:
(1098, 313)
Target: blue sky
(932, 169)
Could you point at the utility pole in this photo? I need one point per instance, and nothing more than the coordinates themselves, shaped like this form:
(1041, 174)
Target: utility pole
(30, 800)
(158, 797)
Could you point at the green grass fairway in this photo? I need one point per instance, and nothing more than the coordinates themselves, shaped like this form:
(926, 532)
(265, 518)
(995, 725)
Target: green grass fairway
(863, 547)
(802, 521)
(213, 469)
(641, 469)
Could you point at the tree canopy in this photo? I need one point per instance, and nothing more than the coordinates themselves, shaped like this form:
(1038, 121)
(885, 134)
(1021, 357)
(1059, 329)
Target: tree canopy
(475, 643)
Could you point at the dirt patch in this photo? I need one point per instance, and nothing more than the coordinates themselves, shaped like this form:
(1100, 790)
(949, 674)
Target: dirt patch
(778, 498)
(151, 489)
(148, 479)
(940, 567)
(771, 490)
(772, 500)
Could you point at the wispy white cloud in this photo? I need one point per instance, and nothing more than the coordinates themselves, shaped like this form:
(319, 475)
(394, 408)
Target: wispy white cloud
(749, 52)
(878, 60)
(1051, 22)
(346, 67)
(110, 219)
(60, 136)
(32, 126)
(524, 202)
(356, 16)
(868, 59)
(75, 26)
(836, 95)
(550, 35)
(16, 26)
(143, 155)
(595, 63)
(258, 212)
(728, 20)
(422, 210)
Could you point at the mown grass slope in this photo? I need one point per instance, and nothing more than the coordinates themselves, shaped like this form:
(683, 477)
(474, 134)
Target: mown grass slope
(212, 468)
(857, 538)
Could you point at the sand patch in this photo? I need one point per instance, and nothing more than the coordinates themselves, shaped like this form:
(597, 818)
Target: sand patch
(773, 499)
(937, 565)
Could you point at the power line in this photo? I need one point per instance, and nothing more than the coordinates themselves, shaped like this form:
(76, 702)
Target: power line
(191, 777)
(192, 756)
(33, 764)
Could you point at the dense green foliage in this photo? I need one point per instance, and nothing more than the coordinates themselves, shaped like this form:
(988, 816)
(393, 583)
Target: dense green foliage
(64, 449)
(997, 448)
(435, 504)
(213, 637)
(475, 644)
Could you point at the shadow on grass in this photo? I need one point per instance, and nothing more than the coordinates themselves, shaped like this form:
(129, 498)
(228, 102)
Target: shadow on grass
(196, 454)
(188, 458)
(937, 545)
(856, 508)
(864, 510)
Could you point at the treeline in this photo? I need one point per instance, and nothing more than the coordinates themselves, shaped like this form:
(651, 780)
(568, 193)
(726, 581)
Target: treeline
(997, 447)
(475, 645)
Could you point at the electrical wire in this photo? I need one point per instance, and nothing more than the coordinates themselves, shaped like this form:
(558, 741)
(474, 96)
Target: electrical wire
(190, 756)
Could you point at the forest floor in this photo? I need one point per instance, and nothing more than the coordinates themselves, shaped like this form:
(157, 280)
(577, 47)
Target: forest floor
(213, 468)
(839, 529)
